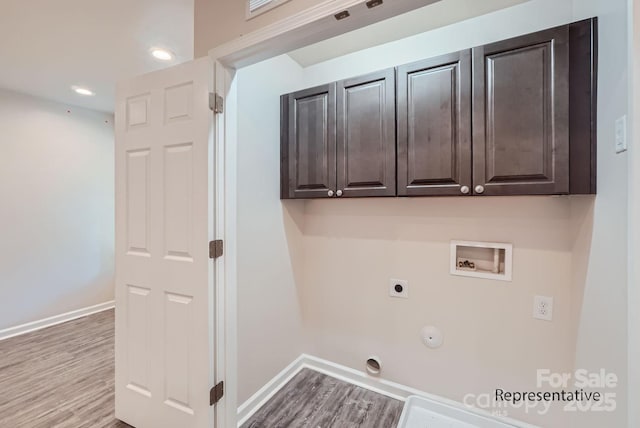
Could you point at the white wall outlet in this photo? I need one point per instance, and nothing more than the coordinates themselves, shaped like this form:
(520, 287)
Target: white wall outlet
(399, 288)
(543, 308)
(621, 134)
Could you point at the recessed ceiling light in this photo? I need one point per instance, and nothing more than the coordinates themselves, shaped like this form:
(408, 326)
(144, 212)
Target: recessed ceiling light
(83, 91)
(162, 54)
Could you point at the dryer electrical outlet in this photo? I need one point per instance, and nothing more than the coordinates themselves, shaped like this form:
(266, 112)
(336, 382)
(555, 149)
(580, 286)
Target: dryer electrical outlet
(399, 288)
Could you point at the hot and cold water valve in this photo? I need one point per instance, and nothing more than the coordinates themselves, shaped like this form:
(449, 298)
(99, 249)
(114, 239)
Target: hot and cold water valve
(487, 260)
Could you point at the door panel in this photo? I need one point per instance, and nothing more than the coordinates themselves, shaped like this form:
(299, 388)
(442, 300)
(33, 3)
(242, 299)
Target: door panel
(366, 146)
(434, 126)
(178, 201)
(138, 353)
(137, 202)
(178, 341)
(310, 149)
(521, 110)
(164, 277)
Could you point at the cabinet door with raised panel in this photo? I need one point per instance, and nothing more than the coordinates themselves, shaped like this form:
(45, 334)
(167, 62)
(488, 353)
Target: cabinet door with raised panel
(308, 146)
(521, 115)
(434, 126)
(366, 145)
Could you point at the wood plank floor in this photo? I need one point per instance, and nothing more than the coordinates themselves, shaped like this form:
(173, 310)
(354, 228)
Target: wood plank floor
(61, 376)
(314, 400)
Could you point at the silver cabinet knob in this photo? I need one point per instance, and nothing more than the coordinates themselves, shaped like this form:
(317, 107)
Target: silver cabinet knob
(330, 193)
(339, 193)
(464, 189)
(479, 189)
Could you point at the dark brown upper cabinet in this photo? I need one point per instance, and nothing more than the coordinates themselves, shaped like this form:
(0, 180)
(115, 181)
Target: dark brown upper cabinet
(366, 140)
(308, 147)
(338, 140)
(434, 126)
(516, 117)
(583, 106)
(525, 114)
(521, 111)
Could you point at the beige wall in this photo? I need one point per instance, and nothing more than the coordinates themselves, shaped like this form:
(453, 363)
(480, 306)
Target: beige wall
(573, 249)
(353, 248)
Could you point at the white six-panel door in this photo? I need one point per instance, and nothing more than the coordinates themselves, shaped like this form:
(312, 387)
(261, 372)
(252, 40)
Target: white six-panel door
(164, 222)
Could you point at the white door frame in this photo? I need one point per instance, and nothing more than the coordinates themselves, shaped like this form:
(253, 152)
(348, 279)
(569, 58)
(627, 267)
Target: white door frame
(310, 26)
(225, 322)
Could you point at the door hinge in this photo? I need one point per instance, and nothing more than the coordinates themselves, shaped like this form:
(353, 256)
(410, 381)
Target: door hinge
(216, 103)
(216, 248)
(216, 393)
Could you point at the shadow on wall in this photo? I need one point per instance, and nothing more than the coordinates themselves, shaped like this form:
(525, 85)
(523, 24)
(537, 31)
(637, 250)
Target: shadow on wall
(582, 208)
(293, 218)
(293, 221)
(502, 219)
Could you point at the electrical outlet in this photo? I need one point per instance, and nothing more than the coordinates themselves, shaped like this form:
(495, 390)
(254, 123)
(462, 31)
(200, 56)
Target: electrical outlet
(621, 134)
(543, 308)
(399, 288)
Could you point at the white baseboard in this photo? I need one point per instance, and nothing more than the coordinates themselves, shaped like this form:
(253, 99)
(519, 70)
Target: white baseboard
(56, 319)
(355, 377)
(257, 400)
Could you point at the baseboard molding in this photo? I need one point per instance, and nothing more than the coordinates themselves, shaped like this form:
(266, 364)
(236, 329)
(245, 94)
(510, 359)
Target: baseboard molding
(56, 319)
(257, 400)
(355, 377)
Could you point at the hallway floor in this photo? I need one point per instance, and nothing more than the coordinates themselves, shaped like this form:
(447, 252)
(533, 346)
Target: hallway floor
(60, 376)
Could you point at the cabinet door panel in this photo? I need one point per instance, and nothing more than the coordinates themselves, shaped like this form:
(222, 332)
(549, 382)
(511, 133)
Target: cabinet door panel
(366, 147)
(434, 125)
(521, 110)
(310, 155)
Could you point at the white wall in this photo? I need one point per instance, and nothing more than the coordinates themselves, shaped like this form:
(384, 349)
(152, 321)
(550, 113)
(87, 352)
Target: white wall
(269, 234)
(602, 334)
(57, 212)
(634, 213)
(573, 249)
